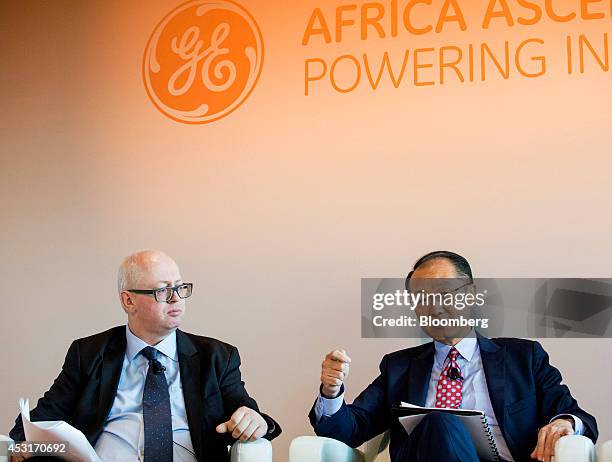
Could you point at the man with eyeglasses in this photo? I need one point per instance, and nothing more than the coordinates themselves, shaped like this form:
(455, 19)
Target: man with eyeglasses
(149, 390)
(511, 380)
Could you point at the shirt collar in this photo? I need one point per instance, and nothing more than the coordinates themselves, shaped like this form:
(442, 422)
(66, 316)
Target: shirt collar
(466, 348)
(135, 345)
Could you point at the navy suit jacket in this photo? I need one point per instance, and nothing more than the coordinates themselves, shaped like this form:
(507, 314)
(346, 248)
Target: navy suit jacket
(525, 391)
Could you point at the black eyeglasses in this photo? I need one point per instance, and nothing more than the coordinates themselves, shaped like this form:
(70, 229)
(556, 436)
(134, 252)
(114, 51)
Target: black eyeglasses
(452, 291)
(457, 289)
(164, 294)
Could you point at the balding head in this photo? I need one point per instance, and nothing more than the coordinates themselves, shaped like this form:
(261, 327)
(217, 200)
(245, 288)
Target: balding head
(139, 265)
(441, 264)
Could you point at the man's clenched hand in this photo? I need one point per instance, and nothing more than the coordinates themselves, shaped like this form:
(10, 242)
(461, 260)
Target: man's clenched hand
(334, 371)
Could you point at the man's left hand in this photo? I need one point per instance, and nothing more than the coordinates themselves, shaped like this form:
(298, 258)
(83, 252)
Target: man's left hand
(245, 425)
(548, 436)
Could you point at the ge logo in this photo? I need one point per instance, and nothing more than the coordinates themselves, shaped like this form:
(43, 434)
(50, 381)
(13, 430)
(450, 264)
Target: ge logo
(202, 60)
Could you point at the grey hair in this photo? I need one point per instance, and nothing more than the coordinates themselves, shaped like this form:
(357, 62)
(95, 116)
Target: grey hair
(129, 273)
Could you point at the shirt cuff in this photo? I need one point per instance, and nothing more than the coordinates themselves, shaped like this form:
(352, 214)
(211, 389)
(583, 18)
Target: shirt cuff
(271, 424)
(327, 407)
(578, 425)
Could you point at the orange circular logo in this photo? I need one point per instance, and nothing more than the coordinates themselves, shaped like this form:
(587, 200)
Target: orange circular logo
(202, 60)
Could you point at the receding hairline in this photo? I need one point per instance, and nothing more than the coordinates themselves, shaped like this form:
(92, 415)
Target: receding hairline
(133, 266)
(436, 261)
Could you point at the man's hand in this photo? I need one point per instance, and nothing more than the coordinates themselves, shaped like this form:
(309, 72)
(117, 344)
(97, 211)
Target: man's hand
(334, 371)
(245, 425)
(548, 436)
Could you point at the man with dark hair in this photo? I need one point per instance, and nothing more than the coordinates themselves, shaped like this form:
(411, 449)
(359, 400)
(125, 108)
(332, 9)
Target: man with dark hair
(511, 380)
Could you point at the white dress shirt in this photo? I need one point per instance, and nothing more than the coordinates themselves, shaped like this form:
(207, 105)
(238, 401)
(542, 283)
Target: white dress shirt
(475, 392)
(123, 435)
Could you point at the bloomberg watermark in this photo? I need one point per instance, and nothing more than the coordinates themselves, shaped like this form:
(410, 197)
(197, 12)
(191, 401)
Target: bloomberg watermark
(494, 307)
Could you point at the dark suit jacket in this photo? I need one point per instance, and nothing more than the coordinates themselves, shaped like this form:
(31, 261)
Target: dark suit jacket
(525, 391)
(85, 389)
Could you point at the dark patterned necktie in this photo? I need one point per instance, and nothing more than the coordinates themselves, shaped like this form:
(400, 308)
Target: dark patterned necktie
(156, 411)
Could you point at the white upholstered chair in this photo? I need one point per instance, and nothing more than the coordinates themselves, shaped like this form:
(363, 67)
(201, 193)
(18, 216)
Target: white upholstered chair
(254, 451)
(572, 448)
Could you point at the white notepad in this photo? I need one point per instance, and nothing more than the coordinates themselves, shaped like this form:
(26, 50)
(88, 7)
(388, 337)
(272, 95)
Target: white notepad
(78, 449)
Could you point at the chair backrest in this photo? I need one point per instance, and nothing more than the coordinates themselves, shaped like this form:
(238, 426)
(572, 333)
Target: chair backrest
(375, 446)
(605, 452)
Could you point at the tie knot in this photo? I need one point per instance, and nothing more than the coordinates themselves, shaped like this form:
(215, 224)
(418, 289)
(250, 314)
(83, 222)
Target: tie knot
(453, 354)
(149, 353)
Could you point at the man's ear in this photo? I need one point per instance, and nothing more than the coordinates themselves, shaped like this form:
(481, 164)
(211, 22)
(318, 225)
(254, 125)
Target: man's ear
(407, 281)
(126, 301)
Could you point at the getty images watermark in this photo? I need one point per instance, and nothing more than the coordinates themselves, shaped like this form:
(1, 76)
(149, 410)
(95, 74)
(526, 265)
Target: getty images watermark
(494, 307)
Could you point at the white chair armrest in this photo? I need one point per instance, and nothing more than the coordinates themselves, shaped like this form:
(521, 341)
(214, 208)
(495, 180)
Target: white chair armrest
(574, 448)
(3, 453)
(253, 451)
(605, 452)
(320, 449)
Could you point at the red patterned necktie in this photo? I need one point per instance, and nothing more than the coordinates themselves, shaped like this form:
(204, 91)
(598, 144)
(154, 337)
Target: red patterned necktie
(449, 391)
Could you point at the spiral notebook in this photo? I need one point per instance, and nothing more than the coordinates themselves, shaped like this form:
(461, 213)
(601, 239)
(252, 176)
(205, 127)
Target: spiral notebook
(475, 422)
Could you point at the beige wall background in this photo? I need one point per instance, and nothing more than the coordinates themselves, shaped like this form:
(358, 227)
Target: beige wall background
(277, 211)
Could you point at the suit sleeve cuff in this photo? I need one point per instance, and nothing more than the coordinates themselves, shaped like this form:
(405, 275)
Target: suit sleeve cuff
(327, 407)
(578, 425)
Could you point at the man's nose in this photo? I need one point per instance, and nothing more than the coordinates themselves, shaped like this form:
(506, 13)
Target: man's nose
(175, 298)
(436, 309)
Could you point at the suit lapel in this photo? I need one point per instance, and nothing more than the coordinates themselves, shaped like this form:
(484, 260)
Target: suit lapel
(189, 364)
(419, 375)
(494, 364)
(112, 362)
